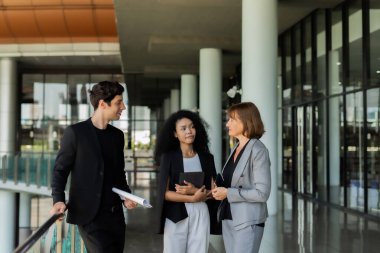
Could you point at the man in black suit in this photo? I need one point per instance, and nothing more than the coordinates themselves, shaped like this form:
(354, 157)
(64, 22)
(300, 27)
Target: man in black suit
(92, 151)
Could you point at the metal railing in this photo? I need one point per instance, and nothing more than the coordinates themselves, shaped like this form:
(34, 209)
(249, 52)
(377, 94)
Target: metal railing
(64, 238)
(32, 239)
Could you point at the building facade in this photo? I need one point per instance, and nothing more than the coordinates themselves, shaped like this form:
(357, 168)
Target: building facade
(330, 107)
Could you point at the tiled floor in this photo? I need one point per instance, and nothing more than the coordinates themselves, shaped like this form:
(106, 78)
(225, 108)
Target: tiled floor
(299, 226)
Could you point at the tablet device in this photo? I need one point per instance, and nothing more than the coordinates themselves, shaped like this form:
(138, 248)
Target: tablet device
(196, 178)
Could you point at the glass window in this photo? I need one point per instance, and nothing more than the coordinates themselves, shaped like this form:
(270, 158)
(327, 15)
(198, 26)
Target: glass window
(308, 78)
(51, 102)
(287, 54)
(336, 128)
(287, 142)
(336, 53)
(309, 133)
(374, 38)
(56, 98)
(354, 147)
(57, 111)
(300, 149)
(321, 54)
(320, 151)
(79, 101)
(279, 122)
(373, 150)
(297, 84)
(355, 38)
(31, 109)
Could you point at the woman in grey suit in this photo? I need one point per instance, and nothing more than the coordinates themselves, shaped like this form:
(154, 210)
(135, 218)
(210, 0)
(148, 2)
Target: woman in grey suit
(244, 183)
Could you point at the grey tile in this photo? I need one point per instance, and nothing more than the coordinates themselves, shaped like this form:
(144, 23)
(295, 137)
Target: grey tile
(299, 226)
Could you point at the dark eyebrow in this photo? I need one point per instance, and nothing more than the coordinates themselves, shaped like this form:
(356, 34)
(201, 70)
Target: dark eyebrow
(186, 125)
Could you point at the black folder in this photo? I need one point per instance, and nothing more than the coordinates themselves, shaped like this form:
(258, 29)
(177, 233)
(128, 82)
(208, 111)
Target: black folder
(196, 178)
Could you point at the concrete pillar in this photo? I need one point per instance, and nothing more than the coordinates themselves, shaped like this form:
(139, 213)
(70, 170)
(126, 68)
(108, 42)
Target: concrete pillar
(259, 73)
(174, 100)
(334, 126)
(24, 217)
(8, 105)
(166, 108)
(334, 144)
(210, 109)
(210, 99)
(7, 221)
(8, 119)
(189, 89)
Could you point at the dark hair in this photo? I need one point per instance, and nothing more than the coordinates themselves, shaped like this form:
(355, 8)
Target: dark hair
(166, 140)
(106, 91)
(249, 115)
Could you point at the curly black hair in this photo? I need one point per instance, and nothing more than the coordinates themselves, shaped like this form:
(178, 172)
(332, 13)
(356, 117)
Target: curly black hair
(167, 142)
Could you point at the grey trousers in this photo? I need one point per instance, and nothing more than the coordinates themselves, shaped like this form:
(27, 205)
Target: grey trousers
(245, 240)
(190, 235)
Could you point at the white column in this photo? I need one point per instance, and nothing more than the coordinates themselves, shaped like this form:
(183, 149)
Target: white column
(210, 98)
(166, 108)
(24, 217)
(334, 126)
(174, 100)
(189, 92)
(8, 102)
(7, 221)
(259, 73)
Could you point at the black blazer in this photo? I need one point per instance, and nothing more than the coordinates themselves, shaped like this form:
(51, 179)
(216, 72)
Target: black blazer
(171, 166)
(80, 155)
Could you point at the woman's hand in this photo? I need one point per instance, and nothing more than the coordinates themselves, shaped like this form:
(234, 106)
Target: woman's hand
(187, 189)
(200, 195)
(219, 193)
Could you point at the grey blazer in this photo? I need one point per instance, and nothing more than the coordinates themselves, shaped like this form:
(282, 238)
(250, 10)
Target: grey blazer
(250, 185)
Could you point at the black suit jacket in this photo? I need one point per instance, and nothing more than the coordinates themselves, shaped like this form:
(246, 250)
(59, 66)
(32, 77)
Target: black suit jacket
(80, 154)
(171, 166)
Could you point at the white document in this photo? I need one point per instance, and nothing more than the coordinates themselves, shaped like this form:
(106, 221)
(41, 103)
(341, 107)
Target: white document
(137, 199)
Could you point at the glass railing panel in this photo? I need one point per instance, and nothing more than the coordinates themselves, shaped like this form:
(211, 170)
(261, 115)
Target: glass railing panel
(66, 238)
(28, 168)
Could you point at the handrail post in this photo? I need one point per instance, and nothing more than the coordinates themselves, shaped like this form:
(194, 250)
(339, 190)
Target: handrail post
(81, 246)
(15, 169)
(3, 166)
(59, 237)
(134, 169)
(49, 172)
(38, 172)
(27, 170)
(72, 231)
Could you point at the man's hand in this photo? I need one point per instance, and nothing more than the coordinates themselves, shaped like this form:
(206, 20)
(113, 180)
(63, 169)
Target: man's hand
(187, 189)
(219, 193)
(129, 204)
(58, 208)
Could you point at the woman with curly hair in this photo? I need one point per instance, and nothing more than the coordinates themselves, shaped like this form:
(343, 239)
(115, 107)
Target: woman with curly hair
(185, 211)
